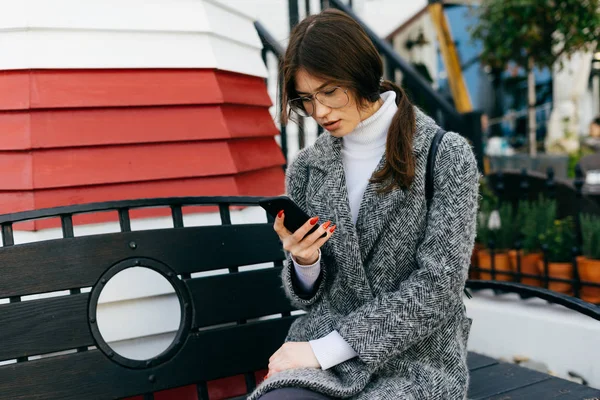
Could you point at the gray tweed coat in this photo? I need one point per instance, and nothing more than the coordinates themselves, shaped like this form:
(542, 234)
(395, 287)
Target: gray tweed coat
(391, 285)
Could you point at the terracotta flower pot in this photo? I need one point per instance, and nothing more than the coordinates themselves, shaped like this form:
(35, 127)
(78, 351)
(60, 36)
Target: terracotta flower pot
(589, 271)
(474, 261)
(528, 266)
(558, 271)
(501, 264)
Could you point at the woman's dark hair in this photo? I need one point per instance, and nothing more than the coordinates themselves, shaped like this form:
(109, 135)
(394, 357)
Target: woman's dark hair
(332, 46)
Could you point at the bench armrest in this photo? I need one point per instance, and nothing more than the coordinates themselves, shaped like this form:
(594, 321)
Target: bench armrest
(570, 302)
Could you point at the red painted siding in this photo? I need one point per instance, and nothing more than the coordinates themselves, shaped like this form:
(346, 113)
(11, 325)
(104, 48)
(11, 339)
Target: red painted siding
(42, 129)
(32, 89)
(79, 136)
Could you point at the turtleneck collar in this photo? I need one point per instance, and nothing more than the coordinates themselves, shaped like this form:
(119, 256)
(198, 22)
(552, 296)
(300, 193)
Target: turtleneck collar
(372, 132)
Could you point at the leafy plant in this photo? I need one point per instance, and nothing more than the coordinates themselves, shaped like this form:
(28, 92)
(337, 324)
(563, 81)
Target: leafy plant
(590, 232)
(504, 234)
(575, 158)
(515, 30)
(496, 224)
(532, 218)
(487, 195)
(485, 209)
(487, 204)
(560, 239)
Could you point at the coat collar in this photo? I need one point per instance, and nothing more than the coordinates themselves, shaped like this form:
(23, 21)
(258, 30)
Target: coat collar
(329, 200)
(327, 147)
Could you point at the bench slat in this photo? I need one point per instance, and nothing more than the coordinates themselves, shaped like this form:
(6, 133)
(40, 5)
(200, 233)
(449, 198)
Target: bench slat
(78, 262)
(553, 388)
(207, 355)
(500, 378)
(44, 326)
(476, 361)
(238, 296)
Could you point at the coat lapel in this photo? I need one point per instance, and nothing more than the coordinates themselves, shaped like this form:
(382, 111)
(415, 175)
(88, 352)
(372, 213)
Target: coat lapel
(327, 197)
(376, 209)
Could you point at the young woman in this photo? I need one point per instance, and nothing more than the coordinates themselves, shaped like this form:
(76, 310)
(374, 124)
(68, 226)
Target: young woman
(383, 289)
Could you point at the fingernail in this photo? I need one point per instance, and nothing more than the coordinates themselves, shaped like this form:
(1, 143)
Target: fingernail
(314, 220)
(333, 228)
(279, 214)
(326, 224)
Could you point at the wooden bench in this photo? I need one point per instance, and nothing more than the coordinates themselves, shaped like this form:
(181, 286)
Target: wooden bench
(223, 330)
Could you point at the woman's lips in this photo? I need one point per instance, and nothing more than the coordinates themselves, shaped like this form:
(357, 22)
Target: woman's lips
(332, 125)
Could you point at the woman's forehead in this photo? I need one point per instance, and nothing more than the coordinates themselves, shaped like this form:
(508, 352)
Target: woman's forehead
(307, 83)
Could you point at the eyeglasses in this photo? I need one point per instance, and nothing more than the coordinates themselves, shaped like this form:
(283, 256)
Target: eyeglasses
(334, 97)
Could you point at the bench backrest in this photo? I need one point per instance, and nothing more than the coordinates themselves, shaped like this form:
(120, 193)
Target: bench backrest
(214, 340)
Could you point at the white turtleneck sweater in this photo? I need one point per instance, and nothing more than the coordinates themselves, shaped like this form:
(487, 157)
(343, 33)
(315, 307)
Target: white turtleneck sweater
(361, 152)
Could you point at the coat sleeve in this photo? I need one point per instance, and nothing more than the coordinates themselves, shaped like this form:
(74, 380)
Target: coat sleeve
(392, 322)
(296, 183)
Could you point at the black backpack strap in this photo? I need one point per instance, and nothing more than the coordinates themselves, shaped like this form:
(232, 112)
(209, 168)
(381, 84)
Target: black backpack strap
(435, 143)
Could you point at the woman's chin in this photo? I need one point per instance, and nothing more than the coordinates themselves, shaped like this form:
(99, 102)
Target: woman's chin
(339, 131)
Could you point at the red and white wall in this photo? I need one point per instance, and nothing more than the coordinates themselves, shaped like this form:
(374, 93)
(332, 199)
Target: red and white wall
(107, 100)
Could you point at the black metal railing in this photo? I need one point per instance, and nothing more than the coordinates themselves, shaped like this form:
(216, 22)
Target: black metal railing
(272, 46)
(527, 291)
(497, 265)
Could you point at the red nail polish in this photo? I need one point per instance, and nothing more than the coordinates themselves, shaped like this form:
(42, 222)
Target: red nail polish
(314, 220)
(279, 214)
(326, 224)
(333, 228)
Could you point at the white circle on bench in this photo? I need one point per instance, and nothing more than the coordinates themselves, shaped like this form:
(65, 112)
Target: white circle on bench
(138, 313)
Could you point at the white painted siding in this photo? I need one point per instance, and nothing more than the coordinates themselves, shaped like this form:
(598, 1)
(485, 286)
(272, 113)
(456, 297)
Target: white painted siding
(142, 34)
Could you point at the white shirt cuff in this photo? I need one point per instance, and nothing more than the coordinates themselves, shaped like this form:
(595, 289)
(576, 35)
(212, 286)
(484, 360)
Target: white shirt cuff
(332, 350)
(307, 274)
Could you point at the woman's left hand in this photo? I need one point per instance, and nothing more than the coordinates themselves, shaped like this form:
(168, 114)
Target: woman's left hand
(292, 355)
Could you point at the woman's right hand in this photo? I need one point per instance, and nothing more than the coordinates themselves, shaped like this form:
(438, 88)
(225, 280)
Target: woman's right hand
(305, 250)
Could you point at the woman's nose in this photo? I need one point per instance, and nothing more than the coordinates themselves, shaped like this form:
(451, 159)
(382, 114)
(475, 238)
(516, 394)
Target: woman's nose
(320, 109)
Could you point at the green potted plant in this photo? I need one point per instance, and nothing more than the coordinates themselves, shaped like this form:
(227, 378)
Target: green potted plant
(560, 240)
(486, 205)
(588, 264)
(499, 228)
(532, 217)
(532, 33)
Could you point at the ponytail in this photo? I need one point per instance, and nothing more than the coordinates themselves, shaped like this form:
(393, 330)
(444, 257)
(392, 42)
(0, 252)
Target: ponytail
(400, 164)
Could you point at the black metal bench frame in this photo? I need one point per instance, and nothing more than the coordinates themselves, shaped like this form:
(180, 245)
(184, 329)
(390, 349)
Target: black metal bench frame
(221, 333)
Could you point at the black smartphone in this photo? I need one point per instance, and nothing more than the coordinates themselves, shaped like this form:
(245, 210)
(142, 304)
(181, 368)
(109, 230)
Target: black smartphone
(295, 217)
